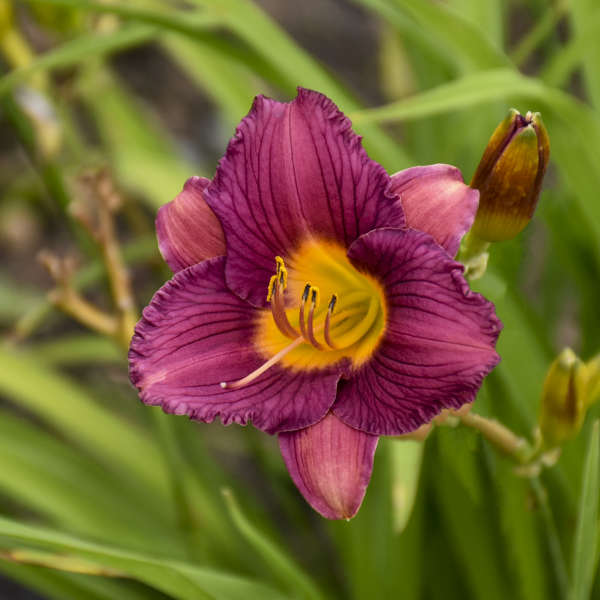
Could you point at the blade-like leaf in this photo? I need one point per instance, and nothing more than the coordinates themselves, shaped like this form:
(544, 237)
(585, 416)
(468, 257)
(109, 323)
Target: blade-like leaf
(581, 11)
(143, 156)
(297, 67)
(574, 128)
(461, 37)
(78, 50)
(283, 567)
(60, 482)
(586, 535)
(180, 580)
(61, 585)
(406, 456)
(67, 407)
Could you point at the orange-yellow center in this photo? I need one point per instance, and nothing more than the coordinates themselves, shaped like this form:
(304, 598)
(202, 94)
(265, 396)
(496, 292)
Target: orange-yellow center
(323, 309)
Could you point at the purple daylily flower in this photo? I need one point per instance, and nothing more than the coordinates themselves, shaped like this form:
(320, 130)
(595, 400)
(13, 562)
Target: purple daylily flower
(315, 296)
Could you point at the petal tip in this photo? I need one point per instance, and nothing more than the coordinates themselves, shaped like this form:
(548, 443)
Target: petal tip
(331, 465)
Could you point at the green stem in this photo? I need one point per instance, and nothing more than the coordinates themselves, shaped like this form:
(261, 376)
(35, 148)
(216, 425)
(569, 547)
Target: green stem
(500, 436)
(473, 254)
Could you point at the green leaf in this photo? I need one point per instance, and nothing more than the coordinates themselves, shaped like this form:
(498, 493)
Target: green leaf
(67, 407)
(181, 580)
(65, 485)
(561, 64)
(585, 548)
(59, 585)
(573, 127)
(522, 532)
(230, 83)
(188, 22)
(462, 38)
(79, 50)
(465, 520)
(297, 67)
(581, 12)
(406, 457)
(282, 566)
(78, 349)
(143, 156)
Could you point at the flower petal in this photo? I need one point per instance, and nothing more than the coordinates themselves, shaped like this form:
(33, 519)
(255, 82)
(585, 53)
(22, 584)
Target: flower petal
(196, 334)
(294, 171)
(330, 464)
(188, 230)
(436, 200)
(439, 340)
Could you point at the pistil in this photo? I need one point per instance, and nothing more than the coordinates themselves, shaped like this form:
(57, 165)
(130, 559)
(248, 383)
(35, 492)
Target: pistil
(234, 385)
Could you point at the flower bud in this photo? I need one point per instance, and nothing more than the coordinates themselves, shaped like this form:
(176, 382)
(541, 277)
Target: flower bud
(564, 403)
(509, 176)
(593, 382)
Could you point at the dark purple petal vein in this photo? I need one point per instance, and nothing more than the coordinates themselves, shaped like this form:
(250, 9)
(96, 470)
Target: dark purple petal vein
(439, 340)
(195, 334)
(294, 171)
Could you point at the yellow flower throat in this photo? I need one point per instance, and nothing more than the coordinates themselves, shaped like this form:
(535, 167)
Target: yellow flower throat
(322, 310)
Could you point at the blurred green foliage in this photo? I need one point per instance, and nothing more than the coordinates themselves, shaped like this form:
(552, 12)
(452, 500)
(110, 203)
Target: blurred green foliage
(102, 498)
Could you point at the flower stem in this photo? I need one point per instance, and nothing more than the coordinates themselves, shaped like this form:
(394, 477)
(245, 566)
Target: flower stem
(473, 254)
(500, 436)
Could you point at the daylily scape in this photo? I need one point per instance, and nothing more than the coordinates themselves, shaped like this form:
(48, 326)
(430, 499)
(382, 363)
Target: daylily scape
(316, 297)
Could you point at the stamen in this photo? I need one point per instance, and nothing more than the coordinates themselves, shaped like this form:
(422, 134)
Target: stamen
(279, 314)
(271, 287)
(326, 332)
(283, 277)
(279, 264)
(234, 385)
(311, 315)
(301, 315)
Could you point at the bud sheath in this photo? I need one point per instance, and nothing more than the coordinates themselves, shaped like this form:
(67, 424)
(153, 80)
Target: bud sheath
(509, 176)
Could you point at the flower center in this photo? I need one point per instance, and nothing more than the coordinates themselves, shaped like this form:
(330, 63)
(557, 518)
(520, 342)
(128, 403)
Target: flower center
(323, 309)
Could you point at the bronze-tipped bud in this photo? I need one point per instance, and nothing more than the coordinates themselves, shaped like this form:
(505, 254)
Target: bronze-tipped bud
(509, 176)
(564, 401)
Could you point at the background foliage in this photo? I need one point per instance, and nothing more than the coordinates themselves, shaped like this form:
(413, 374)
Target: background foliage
(102, 498)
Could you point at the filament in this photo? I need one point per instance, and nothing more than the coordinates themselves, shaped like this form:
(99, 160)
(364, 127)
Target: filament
(310, 330)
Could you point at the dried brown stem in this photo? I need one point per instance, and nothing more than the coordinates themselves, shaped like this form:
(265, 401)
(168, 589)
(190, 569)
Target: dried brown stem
(70, 301)
(98, 217)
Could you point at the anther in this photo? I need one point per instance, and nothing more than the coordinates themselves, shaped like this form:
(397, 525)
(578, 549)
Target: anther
(306, 292)
(315, 296)
(332, 302)
(271, 287)
(301, 321)
(326, 331)
(277, 285)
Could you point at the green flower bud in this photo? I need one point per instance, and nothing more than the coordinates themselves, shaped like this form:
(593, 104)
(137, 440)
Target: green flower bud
(509, 176)
(564, 404)
(593, 382)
